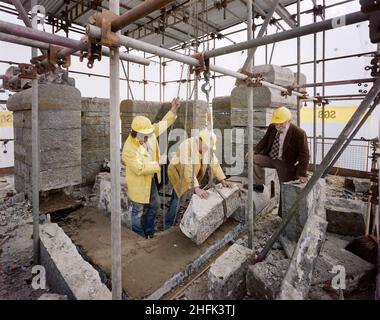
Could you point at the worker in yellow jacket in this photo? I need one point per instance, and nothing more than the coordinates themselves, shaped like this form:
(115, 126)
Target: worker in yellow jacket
(188, 167)
(141, 156)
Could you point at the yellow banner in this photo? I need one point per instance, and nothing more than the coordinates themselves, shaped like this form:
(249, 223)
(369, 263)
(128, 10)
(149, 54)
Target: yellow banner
(6, 119)
(332, 114)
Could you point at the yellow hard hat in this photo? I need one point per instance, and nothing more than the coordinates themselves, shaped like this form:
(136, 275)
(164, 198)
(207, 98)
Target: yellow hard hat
(142, 125)
(281, 115)
(204, 134)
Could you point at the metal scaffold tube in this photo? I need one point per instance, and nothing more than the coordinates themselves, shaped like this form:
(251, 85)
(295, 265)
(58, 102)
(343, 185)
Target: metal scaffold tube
(337, 22)
(95, 32)
(115, 166)
(250, 214)
(368, 100)
(35, 159)
(25, 36)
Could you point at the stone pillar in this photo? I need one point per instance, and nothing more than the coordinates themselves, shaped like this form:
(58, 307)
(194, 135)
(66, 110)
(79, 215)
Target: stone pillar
(60, 137)
(95, 136)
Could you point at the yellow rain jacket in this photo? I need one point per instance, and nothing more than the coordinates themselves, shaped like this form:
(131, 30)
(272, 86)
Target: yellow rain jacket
(180, 169)
(140, 165)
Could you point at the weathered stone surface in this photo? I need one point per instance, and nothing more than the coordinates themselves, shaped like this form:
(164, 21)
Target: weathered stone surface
(357, 185)
(346, 216)
(52, 296)
(275, 74)
(227, 275)
(66, 271)
(264, 278)
(313, 203)
(261, 117)
(303, 78)
(49, 119)
(50, 97)
(203, 216)
(102, 189)
(359, 274)
(221, 108)
(94, 105)
(263, 97)
(60, 136)
(298, 278)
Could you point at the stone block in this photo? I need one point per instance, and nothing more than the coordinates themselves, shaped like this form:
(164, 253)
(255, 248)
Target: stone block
(264, 278)
(357, 185)
(359, 274)
(263, 97)
(261, 117)
(49, 119)
(52, 296)
(91, 105)
(275, 74)
(227, 275)
(50, 97)
(203, 216)
(346, 216)
(298, 278)
(303, 79)
(102, 189)
(314, 203)
(60, 178)
(66, 271)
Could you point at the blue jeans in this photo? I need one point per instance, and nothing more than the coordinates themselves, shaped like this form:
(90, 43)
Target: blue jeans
(144, 215)
(171, 214)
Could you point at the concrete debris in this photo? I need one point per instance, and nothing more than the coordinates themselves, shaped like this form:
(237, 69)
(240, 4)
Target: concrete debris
(227, 275)
(66, 271)
(204, 216)
(346, 216)
(336, 262)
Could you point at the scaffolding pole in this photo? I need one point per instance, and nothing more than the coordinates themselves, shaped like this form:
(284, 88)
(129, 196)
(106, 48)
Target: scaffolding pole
(315, 91)
(298, 62)
(368, 100)
(263, 29)
(115, 166)
(250, 214)
(35, 156)
(342, 21)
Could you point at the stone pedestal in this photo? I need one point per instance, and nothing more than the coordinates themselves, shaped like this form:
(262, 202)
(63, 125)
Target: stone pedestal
(60, 137)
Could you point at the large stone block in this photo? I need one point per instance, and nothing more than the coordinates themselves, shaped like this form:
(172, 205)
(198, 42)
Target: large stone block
(275, 74)
(313, 203)
(102, 189)
(49, 119)
(263, 97)
(346, 216)
(67, 272)
(90, 105)
(50, 97)
(264, 278)
(298, 278)
(60, 178)
(359, 274)
(203, 216)
(227, 275)
(261, 117)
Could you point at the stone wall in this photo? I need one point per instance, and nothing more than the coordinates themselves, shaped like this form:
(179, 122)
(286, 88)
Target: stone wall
(60, 137)
(95, 122)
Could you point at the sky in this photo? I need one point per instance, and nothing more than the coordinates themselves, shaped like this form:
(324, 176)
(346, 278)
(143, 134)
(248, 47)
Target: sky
(343, 41)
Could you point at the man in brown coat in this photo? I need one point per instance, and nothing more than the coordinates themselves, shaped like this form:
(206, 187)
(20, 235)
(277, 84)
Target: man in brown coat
(284, 147)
